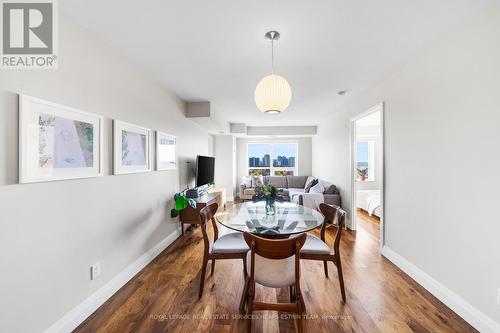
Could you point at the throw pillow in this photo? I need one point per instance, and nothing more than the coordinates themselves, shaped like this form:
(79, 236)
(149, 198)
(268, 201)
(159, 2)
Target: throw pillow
(311, 184)
(247, 181)
(257, 181)
(331, 190)
(318, 188)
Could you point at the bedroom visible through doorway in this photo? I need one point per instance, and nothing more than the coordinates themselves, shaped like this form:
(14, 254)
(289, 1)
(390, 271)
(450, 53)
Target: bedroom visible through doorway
(367, 166)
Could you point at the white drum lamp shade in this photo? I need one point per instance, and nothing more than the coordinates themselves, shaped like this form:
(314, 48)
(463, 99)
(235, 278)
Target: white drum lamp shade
(273, 94)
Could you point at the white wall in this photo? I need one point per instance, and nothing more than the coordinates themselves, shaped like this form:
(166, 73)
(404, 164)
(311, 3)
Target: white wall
(442, 117)
(225, 164)
(52, 232)
(303, 146)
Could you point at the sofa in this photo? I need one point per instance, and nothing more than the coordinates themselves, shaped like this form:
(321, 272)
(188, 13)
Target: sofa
(293, 189)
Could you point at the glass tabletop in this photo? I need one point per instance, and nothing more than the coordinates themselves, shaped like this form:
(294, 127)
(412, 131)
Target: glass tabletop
(289, 219)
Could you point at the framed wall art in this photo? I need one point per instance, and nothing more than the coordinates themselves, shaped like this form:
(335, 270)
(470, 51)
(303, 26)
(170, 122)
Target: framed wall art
(131, 148)
(57, 142)
(166, 151)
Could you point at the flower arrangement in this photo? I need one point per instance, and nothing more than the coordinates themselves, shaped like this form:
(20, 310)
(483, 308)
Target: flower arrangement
(268, 193)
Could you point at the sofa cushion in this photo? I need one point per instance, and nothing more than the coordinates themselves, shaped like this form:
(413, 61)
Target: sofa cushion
(257, 181)
(294, 194)
(247, 181)
(249, 191)
(331, 189)
(276, 181)
(318, 188)
(310, 184)
(296, 181)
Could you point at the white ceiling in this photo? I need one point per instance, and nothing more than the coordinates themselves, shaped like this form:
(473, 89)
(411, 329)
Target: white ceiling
(215, 49)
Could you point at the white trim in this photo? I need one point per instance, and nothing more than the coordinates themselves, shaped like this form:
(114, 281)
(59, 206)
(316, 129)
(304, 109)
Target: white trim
(469, 313)
(75, 317)
(380, 107)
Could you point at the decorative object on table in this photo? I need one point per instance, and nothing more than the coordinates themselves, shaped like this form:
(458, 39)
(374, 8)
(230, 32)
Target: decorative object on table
(362, 174)
(58, 142)
(269, 194)
(181, 202)
(131, 147)
(273, 93)
(166, 151)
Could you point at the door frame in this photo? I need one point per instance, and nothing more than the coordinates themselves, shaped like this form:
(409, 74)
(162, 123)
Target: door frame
(353, 172)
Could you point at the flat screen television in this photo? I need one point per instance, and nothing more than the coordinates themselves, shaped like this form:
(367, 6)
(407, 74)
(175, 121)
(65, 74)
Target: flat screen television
(205, 168)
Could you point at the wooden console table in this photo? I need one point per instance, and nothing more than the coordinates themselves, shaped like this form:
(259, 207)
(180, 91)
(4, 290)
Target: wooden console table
(191, 215)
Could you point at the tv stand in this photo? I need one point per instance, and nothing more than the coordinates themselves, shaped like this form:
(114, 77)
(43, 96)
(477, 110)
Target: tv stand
(190, 215)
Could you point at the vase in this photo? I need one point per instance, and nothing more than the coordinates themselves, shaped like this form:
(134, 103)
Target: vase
(270, 206)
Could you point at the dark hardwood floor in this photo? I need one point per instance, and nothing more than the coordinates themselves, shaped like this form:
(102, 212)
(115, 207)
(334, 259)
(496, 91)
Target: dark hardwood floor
(163, 297)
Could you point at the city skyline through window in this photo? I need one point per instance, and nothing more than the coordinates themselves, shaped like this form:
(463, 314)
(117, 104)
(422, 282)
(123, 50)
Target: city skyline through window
(272, 159)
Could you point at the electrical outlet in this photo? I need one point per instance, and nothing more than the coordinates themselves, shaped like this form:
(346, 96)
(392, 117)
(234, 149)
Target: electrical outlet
(95, 271)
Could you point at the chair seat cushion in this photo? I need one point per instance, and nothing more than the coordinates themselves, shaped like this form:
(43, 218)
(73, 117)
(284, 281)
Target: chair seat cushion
(271, 272)
(230, 243)
(314, 245)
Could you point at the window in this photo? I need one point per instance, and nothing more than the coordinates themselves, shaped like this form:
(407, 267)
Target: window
(277, 159)
(365, 160)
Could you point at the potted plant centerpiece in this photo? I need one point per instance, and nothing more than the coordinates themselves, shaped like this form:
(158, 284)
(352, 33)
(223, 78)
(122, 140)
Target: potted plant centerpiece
(268, 193)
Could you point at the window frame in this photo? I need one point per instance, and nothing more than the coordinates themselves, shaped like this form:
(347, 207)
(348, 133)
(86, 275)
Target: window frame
(271, 168)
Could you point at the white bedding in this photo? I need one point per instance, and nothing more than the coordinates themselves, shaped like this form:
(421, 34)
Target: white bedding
(369, 200)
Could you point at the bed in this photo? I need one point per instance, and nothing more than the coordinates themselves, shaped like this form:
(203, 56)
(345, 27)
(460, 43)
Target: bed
(369, 200)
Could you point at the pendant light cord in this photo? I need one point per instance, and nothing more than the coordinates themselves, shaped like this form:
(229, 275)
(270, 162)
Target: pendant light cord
(272, 56)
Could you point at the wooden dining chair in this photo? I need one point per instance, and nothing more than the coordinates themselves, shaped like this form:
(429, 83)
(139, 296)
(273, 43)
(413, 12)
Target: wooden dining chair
(273, 263)
(228, 246)
(316, 248)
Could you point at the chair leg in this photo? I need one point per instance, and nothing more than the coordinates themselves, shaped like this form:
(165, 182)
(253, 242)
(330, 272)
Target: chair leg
(202, 276)
(245, 273)
(251, 296)
(325, 265)
(341, 279)
(300, 311)
(212, 268)
(244, 296)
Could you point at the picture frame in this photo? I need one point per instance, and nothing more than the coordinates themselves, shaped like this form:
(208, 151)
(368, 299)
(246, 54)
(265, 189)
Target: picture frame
(58, 142)
(131, 148)
(166, 151)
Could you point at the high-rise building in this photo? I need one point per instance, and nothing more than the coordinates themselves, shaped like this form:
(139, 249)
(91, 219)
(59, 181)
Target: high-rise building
(266, 161)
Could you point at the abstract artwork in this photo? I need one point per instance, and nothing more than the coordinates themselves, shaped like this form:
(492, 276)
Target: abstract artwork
(166, 158)
(132, 146)
(58, 142)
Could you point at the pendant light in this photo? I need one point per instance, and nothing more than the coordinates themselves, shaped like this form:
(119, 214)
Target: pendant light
(273, 93)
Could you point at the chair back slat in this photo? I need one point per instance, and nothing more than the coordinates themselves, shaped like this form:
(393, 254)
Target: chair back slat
(207, 213)
(336, 216)
(275, 248)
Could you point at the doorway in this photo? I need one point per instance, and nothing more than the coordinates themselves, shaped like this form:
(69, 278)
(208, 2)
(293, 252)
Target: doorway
(367, 170)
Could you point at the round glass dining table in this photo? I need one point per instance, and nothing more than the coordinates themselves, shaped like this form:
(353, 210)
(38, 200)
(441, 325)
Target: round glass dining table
(289, 219)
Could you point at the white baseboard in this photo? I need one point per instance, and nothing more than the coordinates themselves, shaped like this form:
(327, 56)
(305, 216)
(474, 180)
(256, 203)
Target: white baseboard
(469, 313)
(76, 316)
